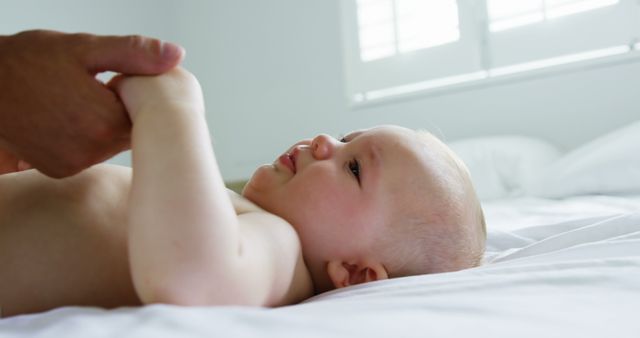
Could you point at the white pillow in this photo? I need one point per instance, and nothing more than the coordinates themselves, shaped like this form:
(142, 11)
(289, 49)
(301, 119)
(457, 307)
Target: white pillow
(500, 165)
(609, 164)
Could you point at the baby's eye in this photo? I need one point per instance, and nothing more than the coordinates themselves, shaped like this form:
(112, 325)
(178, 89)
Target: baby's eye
(354, 167)
(343, 138)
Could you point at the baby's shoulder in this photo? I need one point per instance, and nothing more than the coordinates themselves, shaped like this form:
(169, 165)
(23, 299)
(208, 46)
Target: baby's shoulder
(241, 204)
(264, 224)
(101, 181)
(277, 244)
(251, 215)
(267, 225)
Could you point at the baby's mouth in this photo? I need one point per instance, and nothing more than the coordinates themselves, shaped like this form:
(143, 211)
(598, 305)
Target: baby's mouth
(293, 161)
(288, 160)
(293, 154)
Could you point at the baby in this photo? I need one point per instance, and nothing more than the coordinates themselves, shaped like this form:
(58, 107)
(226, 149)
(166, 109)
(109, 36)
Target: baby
(379, 203)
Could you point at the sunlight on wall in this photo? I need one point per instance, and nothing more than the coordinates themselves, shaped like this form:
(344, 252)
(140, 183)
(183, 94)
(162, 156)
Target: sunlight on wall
(507, 14)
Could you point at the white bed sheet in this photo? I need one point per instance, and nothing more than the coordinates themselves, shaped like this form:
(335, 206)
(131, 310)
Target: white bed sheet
(514, 213)
(567, 268)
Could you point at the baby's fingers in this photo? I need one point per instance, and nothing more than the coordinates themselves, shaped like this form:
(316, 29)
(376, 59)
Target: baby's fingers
(115, 83)
(23, 165)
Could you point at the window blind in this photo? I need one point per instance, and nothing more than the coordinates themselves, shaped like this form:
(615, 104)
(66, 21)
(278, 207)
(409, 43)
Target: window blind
(398, 46)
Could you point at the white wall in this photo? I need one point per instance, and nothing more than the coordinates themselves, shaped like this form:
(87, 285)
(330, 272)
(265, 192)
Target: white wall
(272, 73)
(149, 17)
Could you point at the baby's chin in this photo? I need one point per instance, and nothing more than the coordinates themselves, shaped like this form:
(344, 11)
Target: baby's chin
(259, 192)
(251, 193)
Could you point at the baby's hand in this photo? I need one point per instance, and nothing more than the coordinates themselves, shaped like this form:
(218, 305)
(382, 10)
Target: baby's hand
(176, 89)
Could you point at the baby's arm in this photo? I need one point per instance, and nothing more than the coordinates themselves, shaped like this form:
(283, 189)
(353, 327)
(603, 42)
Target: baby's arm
(186, 243)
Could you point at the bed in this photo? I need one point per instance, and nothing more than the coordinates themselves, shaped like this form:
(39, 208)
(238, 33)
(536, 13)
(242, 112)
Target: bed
(562, 260)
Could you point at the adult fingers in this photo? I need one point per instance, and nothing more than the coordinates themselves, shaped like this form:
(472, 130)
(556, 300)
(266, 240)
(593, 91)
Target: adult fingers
(8, 162)
(132, 54)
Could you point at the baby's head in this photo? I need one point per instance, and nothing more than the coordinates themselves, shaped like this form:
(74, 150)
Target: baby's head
(380, 203)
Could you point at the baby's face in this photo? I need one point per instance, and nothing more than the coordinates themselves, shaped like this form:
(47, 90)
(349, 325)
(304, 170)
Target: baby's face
(338, 194)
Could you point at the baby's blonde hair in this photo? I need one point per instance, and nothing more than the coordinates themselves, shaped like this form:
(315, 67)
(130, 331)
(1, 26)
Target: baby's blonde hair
(446, 236)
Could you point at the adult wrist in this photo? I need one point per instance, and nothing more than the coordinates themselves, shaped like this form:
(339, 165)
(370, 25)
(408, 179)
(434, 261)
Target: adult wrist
(7, 51)
(5, 40)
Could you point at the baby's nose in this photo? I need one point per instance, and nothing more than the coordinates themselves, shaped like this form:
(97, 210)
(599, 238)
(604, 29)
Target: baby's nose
(322, 147)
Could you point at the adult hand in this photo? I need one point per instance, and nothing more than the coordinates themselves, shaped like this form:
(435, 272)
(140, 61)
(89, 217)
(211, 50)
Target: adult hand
(54, 114)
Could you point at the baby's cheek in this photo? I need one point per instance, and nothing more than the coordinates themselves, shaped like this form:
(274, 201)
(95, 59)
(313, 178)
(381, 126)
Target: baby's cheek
(322, 191)
(332, 207)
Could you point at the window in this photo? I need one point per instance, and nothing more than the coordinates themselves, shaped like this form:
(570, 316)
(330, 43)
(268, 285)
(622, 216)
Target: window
(395, 47)
(389, 27)
(506, 14)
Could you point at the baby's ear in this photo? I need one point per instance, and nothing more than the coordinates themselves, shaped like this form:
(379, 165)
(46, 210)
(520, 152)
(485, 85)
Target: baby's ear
(348, 273)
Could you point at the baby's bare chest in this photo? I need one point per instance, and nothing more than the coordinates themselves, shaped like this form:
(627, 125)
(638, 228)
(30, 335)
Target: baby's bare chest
(62, 247)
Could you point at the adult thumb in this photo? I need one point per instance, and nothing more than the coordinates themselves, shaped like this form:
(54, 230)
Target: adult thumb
(131, 54)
